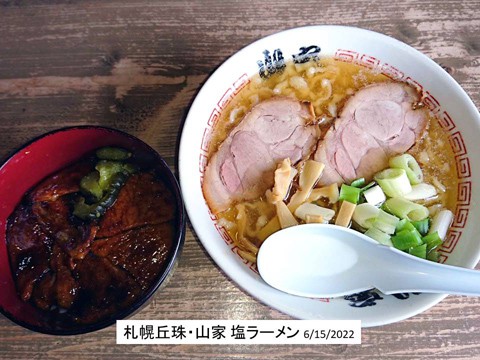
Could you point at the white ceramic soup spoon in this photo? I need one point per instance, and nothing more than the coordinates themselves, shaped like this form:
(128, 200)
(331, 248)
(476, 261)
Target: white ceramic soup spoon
(317, 260)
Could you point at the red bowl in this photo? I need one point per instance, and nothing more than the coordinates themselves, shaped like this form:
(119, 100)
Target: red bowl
(46, 155)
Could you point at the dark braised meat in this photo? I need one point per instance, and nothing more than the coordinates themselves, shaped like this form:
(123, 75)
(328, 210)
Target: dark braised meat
(104, 282)
(55, 218)
(105, 288)
(66, 287)
(44, 291)
(154, 199)
(142, 252)
(61, 265)
(28, 247)
(64, 182)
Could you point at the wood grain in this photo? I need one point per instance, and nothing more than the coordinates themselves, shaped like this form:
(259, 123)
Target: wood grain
(136, 66)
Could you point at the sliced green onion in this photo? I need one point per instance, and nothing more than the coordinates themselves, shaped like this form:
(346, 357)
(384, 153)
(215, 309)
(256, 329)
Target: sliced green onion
(358, 183)
(432, 256)
(405, 225)
(394, 182)
(434, 245)
(419, 251)
(379, 235)
(421, 192)
(386, 222)
(406, 239)
(349, 193)
(369, 185)
(405, 209)
(408, 163)
(365, 214)
(402, 224)
(409, 226)
(374, 195)
(441, 222)
(422, 226)
(432, 237)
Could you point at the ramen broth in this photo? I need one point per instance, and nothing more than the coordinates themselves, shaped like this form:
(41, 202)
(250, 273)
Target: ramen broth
(327, 84)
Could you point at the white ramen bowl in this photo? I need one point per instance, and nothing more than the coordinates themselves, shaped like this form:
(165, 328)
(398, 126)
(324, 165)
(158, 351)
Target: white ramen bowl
(457, 115)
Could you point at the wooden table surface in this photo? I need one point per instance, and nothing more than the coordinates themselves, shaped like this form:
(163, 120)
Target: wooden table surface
(136, 66)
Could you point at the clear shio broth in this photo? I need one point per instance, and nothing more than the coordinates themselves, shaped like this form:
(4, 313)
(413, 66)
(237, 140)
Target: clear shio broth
(327, 83)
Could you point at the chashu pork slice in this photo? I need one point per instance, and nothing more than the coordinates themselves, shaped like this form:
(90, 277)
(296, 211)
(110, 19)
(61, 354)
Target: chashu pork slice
(378, 122)
(243, 167)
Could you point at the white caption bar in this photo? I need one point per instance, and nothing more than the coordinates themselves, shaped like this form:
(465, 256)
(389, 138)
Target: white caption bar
(238, 332)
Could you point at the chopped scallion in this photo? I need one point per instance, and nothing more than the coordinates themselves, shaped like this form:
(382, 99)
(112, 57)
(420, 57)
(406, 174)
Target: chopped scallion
(427, 239)
(406, 239)
(409, 226)
(379, 236)
(405, 209)
(402, 224)
(358, 183)
(369, 185)
(349, 193)
(441, 222)
(408, 163)
(374, 195)
(365, 215)
(422, 226)
(433, 245)
(386, 222)
(419, 251)
(432, 256)
(421, 192)
(394, 182)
